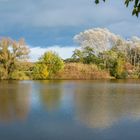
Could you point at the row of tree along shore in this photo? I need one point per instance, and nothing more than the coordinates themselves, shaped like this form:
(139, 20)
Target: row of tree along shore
(101, 55)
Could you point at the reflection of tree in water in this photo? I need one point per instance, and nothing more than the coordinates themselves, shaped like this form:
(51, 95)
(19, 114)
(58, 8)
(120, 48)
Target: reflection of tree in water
(50, 94)
(101, 105)
(14, 101)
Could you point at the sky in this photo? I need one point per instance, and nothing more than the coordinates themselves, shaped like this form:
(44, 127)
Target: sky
(52, 24)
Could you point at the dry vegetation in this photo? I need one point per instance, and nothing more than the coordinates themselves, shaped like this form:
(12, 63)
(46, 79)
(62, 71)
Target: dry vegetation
(79, 71)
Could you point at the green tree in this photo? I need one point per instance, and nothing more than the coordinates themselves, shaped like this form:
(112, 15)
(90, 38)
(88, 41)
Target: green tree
(77, 55)
(40, 71)
(114, 62)
(53, 62)
(85, 55)
(120, 71)
(136, 5)
(18, 75)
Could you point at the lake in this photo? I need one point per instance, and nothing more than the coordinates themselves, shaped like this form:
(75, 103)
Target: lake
(70, 110)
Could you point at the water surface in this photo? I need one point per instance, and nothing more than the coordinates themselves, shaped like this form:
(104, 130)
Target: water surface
(70, 110)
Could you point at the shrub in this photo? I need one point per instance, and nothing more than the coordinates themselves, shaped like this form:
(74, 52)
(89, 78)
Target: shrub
(18, 75)
(53, 62)
(3, 74)
(40, 71)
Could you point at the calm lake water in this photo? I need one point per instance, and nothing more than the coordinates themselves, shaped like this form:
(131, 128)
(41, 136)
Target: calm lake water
(70, 110)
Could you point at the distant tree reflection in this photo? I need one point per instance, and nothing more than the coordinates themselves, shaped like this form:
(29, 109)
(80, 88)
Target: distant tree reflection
(14, 101)
(50, 94)
(102, 105)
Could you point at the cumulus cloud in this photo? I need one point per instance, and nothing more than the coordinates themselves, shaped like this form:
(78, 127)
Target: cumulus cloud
(64, 52)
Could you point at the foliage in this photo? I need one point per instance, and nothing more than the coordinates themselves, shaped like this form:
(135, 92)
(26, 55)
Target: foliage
(118, 69)
(80, 71)
(25, 66)
(101, 54)
(114, 54)
(85, 55)
(11, 52)
(40, 71)
(136, 5)
(3, 73)
(96, 40)
(53, 62)
(18, 75)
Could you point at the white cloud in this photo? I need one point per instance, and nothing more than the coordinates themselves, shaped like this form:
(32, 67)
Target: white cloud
(64, 52)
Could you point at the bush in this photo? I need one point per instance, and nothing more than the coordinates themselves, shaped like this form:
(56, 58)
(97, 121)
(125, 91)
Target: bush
(40, 71)
(53, 62)
(3, 74)
(18, 75)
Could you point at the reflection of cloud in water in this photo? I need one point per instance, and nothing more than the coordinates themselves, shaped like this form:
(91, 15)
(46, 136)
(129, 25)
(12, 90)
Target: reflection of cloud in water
(103, 105)
(14, 100)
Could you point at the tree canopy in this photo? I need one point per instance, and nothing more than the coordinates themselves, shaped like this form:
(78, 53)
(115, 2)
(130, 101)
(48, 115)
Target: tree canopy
(11, 53)
(101, 54)
(108, 51)
(136, 5)
(49, 63)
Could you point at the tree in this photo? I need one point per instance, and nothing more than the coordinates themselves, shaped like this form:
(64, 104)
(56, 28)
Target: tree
(97, 38)
(78, 55)
(135, 51)
(109, 51)
(136, 5)
(11, 52)
(114, 62)
(53, 62)
(85, 55)
(131, 50)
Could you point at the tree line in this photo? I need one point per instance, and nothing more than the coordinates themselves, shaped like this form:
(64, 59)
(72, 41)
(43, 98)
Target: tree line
(14, 62)
(110, 52)
(99, 52)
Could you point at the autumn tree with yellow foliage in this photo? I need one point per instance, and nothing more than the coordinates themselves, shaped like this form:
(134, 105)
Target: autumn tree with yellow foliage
(11, 53)
(48, 65)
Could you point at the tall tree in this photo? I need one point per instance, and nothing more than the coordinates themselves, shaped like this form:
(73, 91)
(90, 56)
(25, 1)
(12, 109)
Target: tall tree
(11, 52)
(98, 39)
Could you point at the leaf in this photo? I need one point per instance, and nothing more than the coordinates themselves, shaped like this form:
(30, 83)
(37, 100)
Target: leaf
(96, 1)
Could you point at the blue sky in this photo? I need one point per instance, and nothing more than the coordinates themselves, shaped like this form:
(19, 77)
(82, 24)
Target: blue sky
(53, 23)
